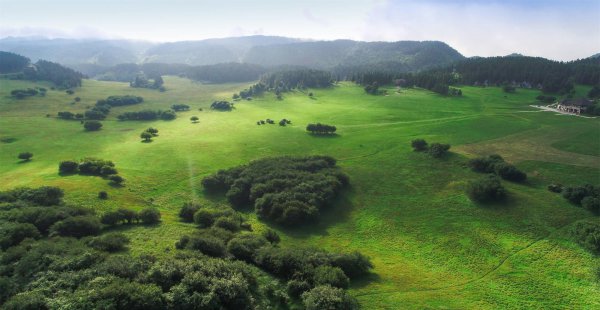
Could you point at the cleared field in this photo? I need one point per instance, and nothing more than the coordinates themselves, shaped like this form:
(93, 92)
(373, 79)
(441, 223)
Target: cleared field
(431, 246)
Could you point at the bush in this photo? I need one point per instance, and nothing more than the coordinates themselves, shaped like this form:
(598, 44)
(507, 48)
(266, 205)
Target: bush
(26, 156)
(320, 129)
(127, 215)
(68, 167)
(485, 164)
(509, 172)
(209, 245)
(187, 211)
(227, 223)
(419, 145)
(438, 150)
(578, 193)
(77, 226)
(555, 188)
(116, 179)
(149, 215)
(222, 105)
(110, 242)
(12, 234)
(92, 125)
(327, 297)
(103, 195)
(111, 218)
(194, 119)
(587, 234)
(244, 246)
(271, 236)
(296, 287)
(353, 264)
(180, 107)
(486, 189)
(591, 203)
(328, 275)
(204, 218)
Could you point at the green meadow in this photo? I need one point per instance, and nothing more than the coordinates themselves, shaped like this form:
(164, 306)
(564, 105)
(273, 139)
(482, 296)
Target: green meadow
(432, 247)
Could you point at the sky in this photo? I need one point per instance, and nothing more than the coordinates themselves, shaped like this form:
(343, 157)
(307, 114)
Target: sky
(560, 30)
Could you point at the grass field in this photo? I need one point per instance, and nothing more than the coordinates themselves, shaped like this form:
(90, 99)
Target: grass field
(431, 246)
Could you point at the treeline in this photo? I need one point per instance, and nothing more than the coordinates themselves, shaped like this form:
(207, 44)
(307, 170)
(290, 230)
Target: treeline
(12, 63)
(28, 92)
(321, 129)
(49, 71)
(286, 80)
(116, 101)
(527, 72)
(102, 108)
(20, 67)
(286, 190)
(91, 166)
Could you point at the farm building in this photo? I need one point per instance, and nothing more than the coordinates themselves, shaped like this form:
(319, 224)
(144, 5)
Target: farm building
(574, 105)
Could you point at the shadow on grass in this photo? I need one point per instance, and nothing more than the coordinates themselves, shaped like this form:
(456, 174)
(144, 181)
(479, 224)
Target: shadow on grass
(147, 141)
(331, 135)
(364, 280)
(23, 161)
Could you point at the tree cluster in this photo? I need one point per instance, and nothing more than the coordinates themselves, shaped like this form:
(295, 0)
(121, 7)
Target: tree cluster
(29, 92)
(222, 105)
(321, 129)
(147, 115)
(92, 125)
(117, 101)
(436, 150)
(587, 196)
(91, 166)
(141, 81)
(180, 107)
(148, 134)
(305, 270)
(286, 190)
(254, 90)
(147, 216)
(495, 164)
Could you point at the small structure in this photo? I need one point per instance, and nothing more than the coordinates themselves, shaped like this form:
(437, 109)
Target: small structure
(575, 106)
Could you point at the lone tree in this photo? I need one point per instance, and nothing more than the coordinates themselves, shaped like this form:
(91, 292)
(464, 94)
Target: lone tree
(419, 145)
(146, 136)
(194, 119)
(25, 156)
(92, 125)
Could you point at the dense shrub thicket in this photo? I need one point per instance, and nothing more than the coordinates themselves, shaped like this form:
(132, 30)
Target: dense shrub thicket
(303, 269)
(587, 196)
(147, 115)
(587, 234)
(28, 92)
(486, 189)
(321, 129)
(222, 105)
(74, 267)
(287, 190)
(495, 164)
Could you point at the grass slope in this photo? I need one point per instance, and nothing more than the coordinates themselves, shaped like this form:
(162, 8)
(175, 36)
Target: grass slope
(431, 246)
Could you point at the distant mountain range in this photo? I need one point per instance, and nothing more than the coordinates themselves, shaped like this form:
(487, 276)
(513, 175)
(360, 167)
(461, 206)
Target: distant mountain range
(267, 51)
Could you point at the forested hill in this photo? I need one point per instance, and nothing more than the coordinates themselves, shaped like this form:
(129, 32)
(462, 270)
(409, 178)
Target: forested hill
(262, 50)
(15, 66)
(409, 55)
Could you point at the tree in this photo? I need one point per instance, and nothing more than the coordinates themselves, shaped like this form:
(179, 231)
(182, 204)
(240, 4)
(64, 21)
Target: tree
(186, 213)
(77, 226)
(271, 236)
(438, 150)
(152, 131)
(103, 195)
(486, 189)
(110, 242)
(146, 136)
(327, 275)
(327, 297)
(92, 125)
(194, 119)
(25, 156)
(116, 179)
(149, 215)
(419, 145)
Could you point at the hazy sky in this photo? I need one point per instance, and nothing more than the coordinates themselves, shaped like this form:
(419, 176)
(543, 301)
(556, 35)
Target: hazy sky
(562, 30)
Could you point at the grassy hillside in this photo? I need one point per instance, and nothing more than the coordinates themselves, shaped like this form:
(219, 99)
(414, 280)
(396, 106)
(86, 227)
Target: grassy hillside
(431, 246)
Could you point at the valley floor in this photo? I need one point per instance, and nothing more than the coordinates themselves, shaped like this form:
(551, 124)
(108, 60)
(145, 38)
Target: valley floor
(431, 246)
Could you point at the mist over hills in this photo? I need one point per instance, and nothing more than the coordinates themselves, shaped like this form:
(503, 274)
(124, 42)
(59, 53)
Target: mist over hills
(91, 55)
